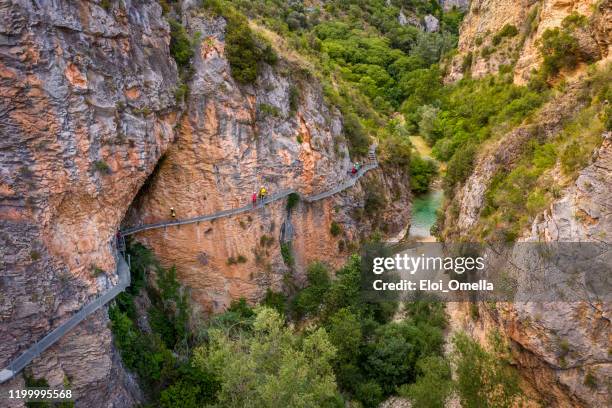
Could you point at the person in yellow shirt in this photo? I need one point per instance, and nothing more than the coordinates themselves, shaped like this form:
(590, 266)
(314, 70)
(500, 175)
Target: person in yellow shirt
(263, 192)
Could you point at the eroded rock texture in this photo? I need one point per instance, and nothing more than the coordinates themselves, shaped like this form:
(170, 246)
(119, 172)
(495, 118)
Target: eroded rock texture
(560, 348)
(87, 98)
(480, 53)
(88, 109)
(233, 139)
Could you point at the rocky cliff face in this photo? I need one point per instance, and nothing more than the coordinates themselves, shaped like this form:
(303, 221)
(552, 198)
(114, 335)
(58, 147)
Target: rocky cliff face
(503, 154)
(561, 349)
(88, 110)
(77, 143)
(481, 53)
(278, 133)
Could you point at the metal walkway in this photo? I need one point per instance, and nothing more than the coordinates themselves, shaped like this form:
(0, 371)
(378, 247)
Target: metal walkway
(15, 366)
(373, 163)
(123, 270)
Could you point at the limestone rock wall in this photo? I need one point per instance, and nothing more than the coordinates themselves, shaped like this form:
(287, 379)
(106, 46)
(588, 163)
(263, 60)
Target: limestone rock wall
(88, 107)
(480, 55)
(558, 345)
(233, 139)
(89, 116)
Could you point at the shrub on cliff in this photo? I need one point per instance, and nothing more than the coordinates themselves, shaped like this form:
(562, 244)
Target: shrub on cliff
(181, 46)
(459, 167)
(484, 379)
(292, 200)
(307, 302)
(508, 30)
(560, 48)
(335, 229)
(356, 134)
(244, 49)
(395, 149)
(433, 384)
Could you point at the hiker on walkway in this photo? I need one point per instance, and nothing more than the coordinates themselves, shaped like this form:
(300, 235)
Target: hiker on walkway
(357, 166)
(263, 192)
(354, 170)
(172, 212)
(254, 199)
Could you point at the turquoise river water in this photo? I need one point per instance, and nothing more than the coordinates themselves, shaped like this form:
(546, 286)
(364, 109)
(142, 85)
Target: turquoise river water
(424, 209)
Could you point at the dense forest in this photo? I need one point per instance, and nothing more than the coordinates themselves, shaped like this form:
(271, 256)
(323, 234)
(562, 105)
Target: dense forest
(320, 345)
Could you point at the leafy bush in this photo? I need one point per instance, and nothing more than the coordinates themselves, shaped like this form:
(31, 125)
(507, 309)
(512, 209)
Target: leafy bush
(590, 380)
(181, 46)
(102, 167)
(241, 308)
(359, 142)
(181, 92)
(236, 260)
(483, 379)
(292, 200)
(422, 173)
(287, 254)
(508, 30)
(574, 20)
(96, 271)
(294, 98)
(275, 300)
(396, 150)
(559, 47)
(433, 384)
(268, 110)
(466, 63)
(244, 49)
(459, 167)
(335, 229)
(307, 302)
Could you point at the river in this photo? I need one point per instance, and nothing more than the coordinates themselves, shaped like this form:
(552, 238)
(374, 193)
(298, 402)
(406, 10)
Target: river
(424, 206)
(423, 215)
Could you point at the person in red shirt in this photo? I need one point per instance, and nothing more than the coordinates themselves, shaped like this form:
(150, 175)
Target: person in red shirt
(254, 199)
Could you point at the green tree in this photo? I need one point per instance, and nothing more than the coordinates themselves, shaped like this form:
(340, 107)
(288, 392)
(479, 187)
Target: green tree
(344, 329)
(459, 167)
(422, 173)
(271, 366)
(433, 384)
(483, 379)
(180, 394)
(308, 300)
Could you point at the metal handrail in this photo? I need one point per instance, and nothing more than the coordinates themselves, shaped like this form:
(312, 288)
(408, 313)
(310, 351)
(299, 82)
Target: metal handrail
(272, 198)
(123, 269)
(16, 365)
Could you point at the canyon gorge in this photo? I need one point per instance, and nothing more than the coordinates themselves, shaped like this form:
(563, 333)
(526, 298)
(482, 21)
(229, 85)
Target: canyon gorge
(104, 128)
